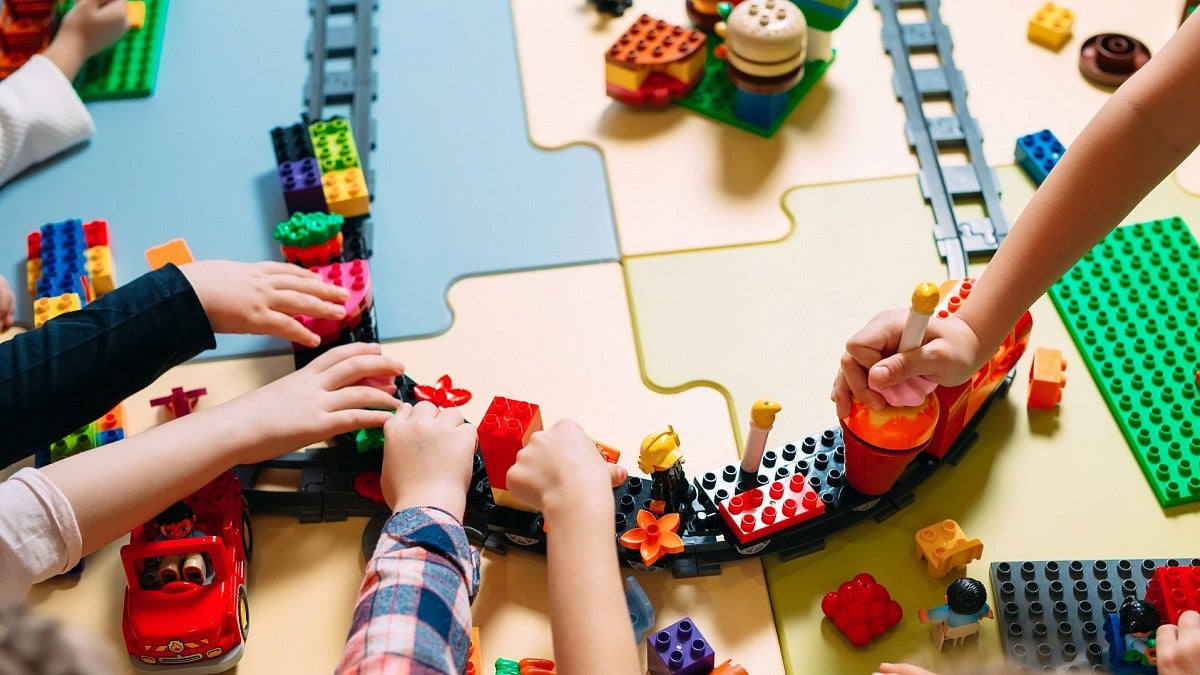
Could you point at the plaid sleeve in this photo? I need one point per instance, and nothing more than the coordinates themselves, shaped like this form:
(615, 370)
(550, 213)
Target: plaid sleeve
(413, 613)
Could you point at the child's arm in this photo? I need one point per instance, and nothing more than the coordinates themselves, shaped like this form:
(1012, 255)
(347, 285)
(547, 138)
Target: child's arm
(168, 462)
(78, 366)
(1178, 647)
(413, 612)
(1139, 136)
(40, 113)
(8, 304)
(561, 473)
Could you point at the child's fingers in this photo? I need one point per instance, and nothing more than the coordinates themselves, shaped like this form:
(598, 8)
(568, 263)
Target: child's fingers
(341, 353)
(345, 421)
(350, 371)
(293, 303)
(1165, 638)
(1189, 620)
(451, 417)
(424, 409)
(618, 474)
(309, 284)
(361, 397)
(403, 412)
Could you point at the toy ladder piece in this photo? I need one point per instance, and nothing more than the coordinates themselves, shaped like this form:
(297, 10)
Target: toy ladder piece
(942, 185)
(341, 73)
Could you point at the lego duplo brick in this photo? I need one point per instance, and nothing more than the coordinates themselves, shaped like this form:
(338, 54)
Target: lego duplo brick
(944, 546)
(765, 510)
(503, 431)
(1038, 153)
(346, 192)
(291, 144)
(1173, 591)
(1132, 306)
(128, 69)
(1051, 26)
(355, 277)
(333, 145)
(1052, 613)
(300, 181)
(1046, 378)
(679, 649)
(653, 62)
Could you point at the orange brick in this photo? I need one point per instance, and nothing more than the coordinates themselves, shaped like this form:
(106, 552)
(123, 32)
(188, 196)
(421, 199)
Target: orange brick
(1047, 378)
(174, 251)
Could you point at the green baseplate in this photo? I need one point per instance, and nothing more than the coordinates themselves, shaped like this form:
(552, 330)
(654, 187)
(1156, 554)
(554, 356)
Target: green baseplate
(715, 95)
(128, 69)
(1132, 305)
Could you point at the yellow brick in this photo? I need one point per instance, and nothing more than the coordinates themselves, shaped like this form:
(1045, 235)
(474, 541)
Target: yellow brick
(1051, 26)
(45, 309)
(630, 79)
(346, 192)
(100, 269)
(135, 10)
(506, 499)
(33, 272)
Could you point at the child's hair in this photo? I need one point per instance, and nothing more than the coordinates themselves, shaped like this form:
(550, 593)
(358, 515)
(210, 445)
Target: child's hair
(1137, 616)
(966, 596)
(175, 513)
(35, 645)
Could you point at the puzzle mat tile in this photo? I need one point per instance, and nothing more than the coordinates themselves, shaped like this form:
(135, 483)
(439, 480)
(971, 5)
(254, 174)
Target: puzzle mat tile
(459, 189)
(576, 357)
(771, 320)
(680, 181)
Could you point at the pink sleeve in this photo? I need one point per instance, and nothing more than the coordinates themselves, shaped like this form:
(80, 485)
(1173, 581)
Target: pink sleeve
(39, 537)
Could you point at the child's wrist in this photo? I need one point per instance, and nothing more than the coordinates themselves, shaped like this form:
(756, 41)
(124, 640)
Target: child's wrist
(68, 51)
(445, 498)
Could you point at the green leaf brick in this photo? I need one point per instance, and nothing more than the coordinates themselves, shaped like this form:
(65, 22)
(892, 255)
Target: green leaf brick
(308, 229)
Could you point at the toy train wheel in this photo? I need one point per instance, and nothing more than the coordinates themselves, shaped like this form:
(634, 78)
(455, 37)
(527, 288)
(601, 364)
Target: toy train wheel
(243, 611)
(521, 541)
(247, 536)
(753, 549)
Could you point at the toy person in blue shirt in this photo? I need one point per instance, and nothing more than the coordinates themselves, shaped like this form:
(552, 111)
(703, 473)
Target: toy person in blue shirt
(179, 522)
(966, 603)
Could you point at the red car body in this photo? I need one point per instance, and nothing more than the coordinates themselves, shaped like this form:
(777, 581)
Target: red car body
(182, 626)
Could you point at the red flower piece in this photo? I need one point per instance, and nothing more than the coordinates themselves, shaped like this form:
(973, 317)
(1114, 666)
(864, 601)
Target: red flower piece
(444, 395)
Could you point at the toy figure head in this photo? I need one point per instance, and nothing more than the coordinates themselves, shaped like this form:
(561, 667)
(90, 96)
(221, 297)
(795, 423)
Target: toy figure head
(966, 596)
(176, 522)
(661, 449)
(1137, 617)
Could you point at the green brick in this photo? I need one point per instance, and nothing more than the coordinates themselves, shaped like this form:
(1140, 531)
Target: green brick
(128, 69)
(715, 95)
(1132, 305)
(75, 442)
(308, 229)
(333, 144)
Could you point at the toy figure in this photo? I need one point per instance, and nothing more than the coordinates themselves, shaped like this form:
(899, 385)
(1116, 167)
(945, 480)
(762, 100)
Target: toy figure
(179, 522)
(1139, 620)
(661, 458)
(966, 604)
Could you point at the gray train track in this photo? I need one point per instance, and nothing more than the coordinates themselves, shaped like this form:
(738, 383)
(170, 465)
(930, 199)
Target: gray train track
(934, 139)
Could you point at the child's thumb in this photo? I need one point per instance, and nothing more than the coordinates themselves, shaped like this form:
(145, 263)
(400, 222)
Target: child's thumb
(618, 474)
(896, 368)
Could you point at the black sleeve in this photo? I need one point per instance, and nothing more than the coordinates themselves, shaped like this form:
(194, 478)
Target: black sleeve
(78, 366)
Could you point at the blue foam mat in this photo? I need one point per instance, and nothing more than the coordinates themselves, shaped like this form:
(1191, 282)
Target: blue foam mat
(459, 189)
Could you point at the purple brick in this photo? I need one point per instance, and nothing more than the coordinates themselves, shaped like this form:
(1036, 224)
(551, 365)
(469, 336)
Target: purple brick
(679, 649)
(301, 184)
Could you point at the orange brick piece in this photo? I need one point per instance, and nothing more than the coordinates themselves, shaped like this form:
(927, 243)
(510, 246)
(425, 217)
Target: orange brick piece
(136, 11)
(474, 657)
(654, 62)
(174, 251)
(1047, 378)
(943, 546)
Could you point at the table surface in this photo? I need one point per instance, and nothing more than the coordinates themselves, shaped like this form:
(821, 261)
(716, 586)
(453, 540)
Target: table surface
(738, 277)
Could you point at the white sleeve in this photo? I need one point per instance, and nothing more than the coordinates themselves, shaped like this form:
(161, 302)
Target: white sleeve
(40, 116)
(39, 536)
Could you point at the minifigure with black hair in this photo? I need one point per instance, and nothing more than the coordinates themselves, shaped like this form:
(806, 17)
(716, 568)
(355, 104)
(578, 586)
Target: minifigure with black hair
(966, 604)
(178, 521)
(1139, 621)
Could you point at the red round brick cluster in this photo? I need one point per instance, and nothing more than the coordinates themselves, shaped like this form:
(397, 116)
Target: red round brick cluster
(862, 609)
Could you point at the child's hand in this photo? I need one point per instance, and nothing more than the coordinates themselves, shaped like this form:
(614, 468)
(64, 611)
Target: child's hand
(329, 396)
(427, 458)
(901, 669)
(949, 356)
(1178, 647)
(562, 471)
(8, 304)
(89, 28)
(262, 298)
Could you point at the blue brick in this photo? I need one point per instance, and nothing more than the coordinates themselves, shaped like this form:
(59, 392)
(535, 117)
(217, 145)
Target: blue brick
(679, 649)
(109, 436)
(761, 110)
(64, 259)
(1038, 153)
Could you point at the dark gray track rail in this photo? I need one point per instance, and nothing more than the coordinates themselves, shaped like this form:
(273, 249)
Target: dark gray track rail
(341, 75)
(943, 186)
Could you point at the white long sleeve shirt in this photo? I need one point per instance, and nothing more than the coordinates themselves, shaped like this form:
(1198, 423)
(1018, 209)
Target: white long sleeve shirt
(40, 116)
(39, 536)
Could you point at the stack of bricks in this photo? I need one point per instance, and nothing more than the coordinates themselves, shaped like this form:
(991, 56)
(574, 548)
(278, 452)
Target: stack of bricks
(355, 277)
(319, 168)
(24, 31)
(67, 264)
